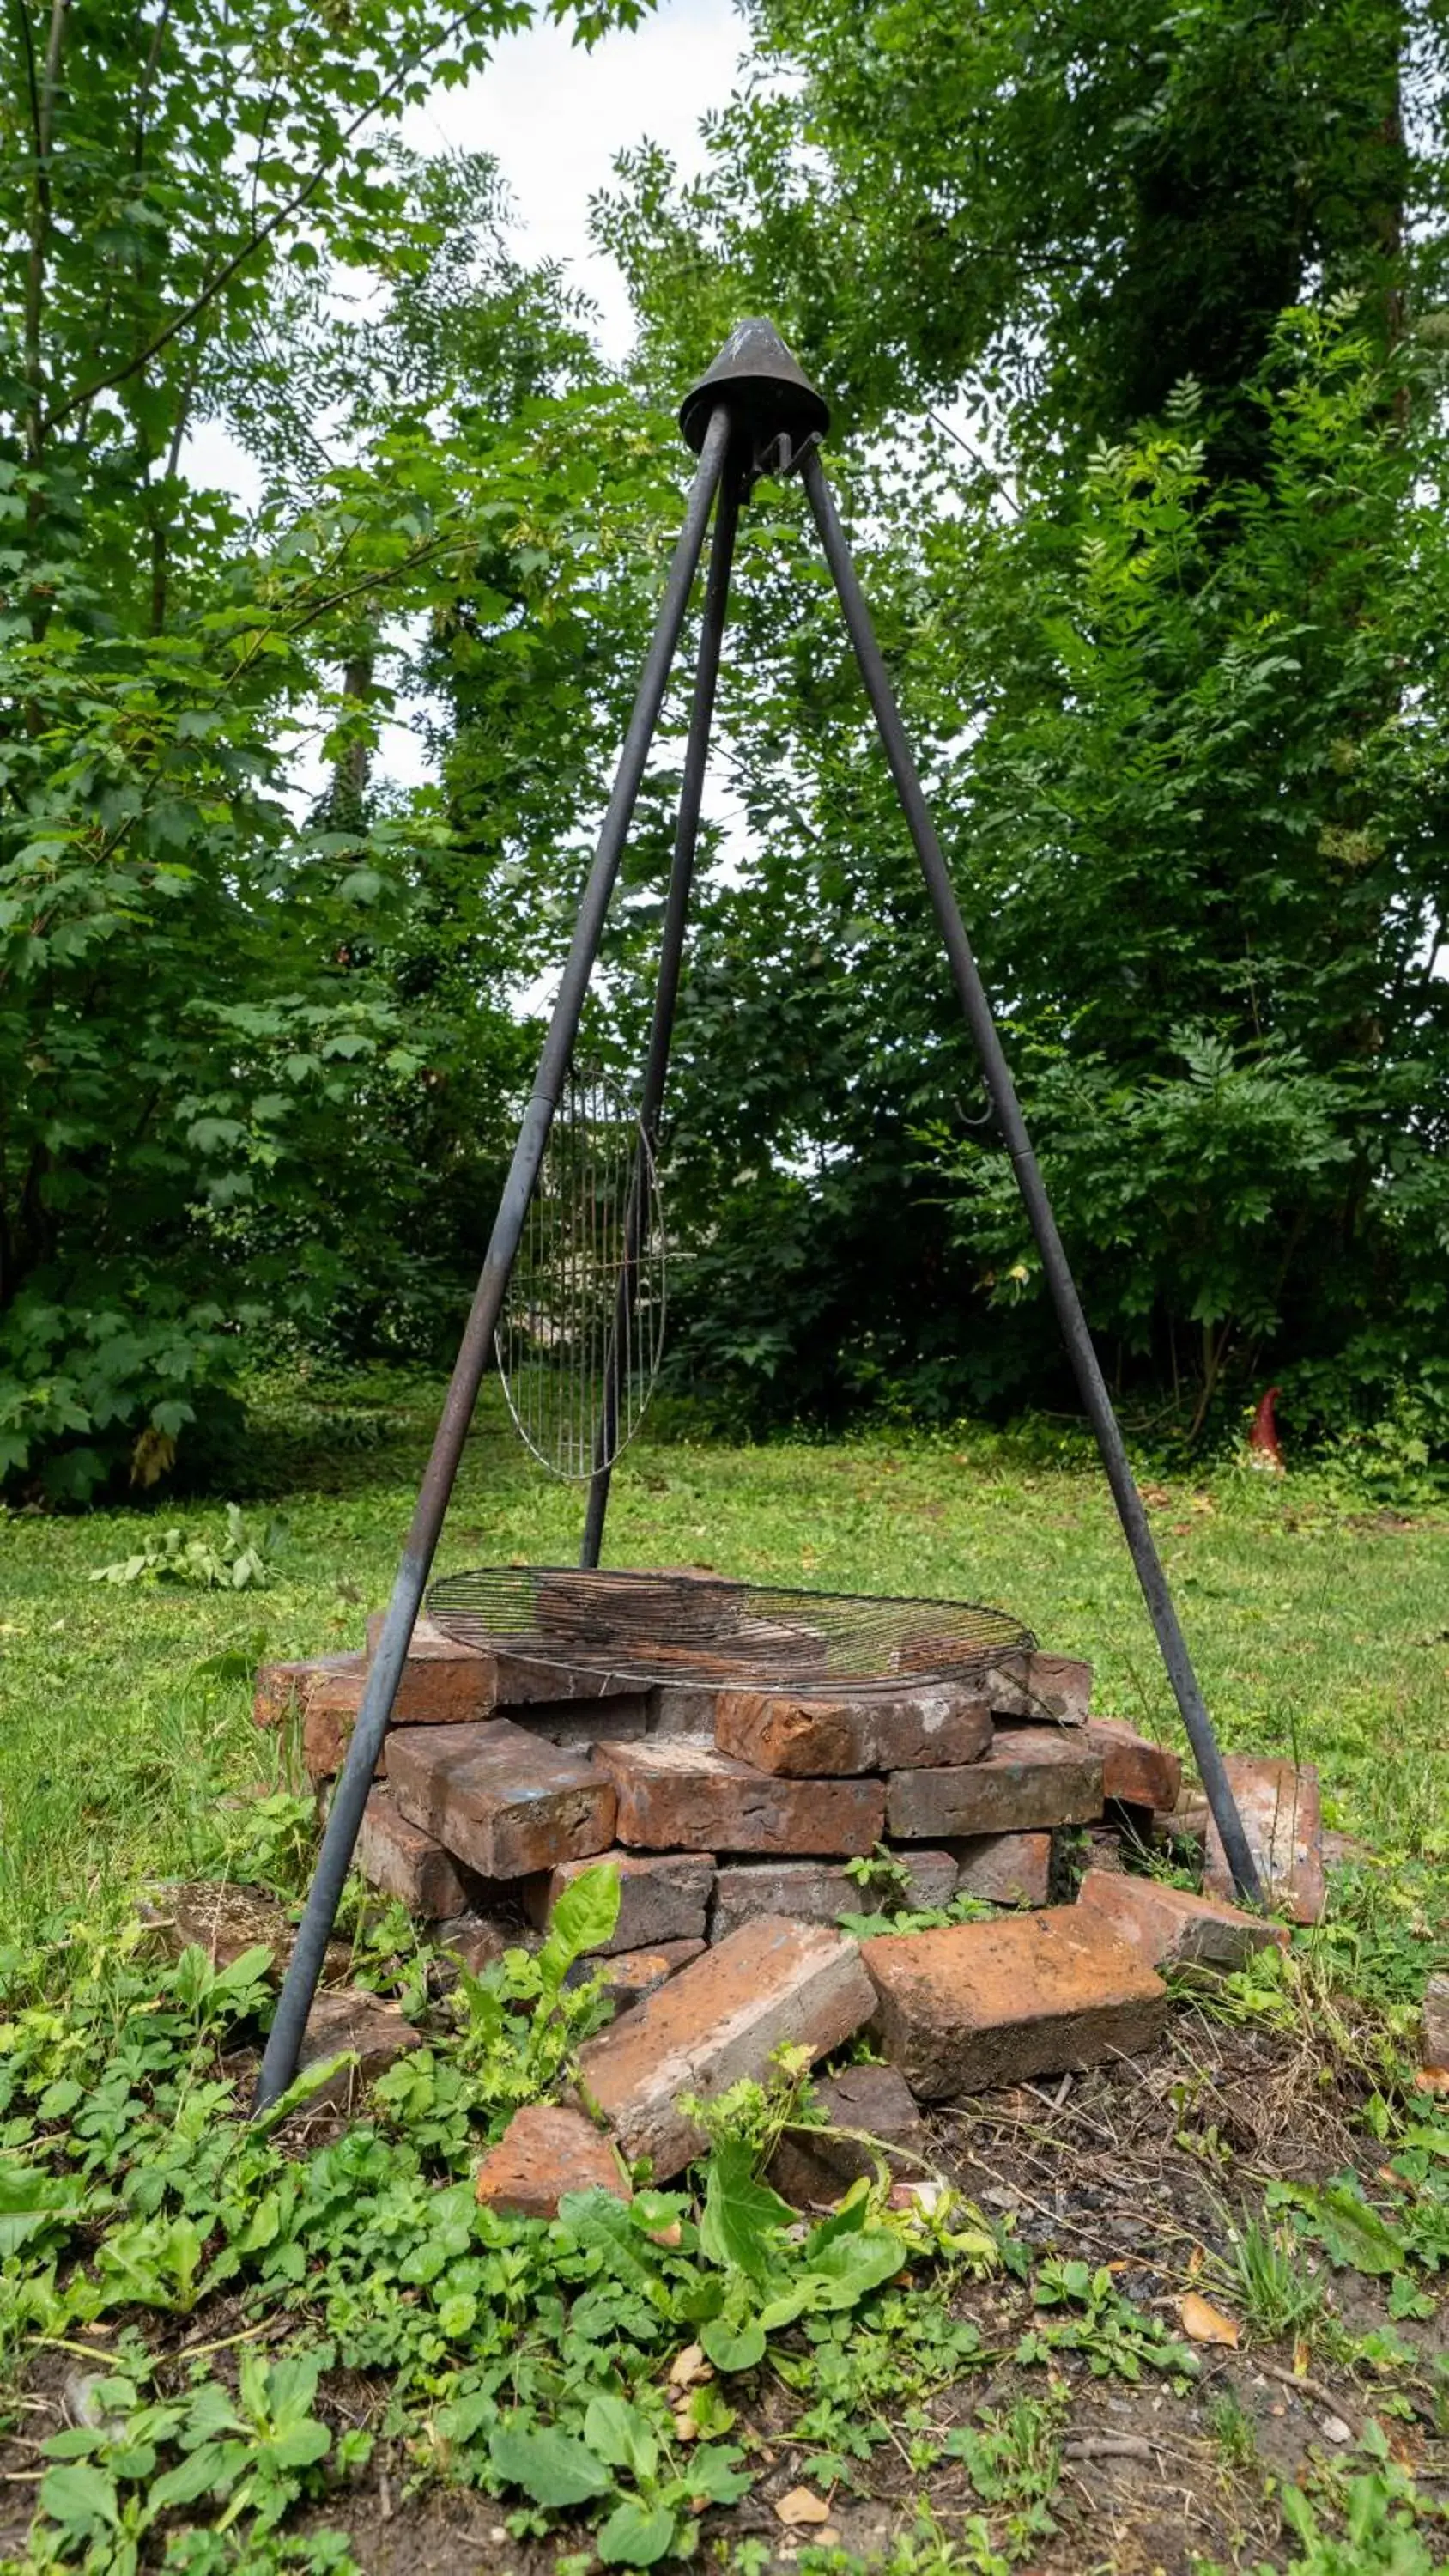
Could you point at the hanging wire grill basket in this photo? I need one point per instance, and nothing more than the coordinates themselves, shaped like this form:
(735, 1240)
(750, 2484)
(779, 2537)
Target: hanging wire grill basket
(581, 1334)
(648, 1628)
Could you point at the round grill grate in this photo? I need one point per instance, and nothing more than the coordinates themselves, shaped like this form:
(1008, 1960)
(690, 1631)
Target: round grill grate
(647, 1628)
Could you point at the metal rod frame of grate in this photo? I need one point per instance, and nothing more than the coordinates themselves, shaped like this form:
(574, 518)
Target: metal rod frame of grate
(639, 1629)
(754, 414)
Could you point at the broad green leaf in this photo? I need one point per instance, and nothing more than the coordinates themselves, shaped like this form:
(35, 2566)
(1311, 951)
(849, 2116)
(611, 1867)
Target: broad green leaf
(80, 2497)
(583, 1920)
(742, 2217)
(620, 2435)
(733, 2347)
(635, 2534)
(550, 2466)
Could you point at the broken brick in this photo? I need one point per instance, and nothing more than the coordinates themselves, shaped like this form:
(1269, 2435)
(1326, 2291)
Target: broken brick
(834, 1738)
(817, 1891)
(681, 1795)
(1278, 1803)
(347, 2017)
(545, 2151)
(1030, 1778)
(630, 1975)
(663, 1896)
(1135, 1772)
(718, 2022)
(1005, 1869)
(400, 1860)
(1170, 1927)
(500, 1799)
(998, 2002)
(812, 2165)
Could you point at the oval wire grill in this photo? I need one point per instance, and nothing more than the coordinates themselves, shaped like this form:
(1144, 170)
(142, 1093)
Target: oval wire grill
(648, 1628)
(582, 1329)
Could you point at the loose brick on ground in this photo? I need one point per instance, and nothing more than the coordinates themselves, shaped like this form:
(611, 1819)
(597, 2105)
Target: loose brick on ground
(720, 2021)
(1135, 1772)
(811, 2166)
(400, 1860)
(819, 1891)
(476, 1939)
(663, 1896)
(836, 1738)
(982, 2004)
(347, 2017)
(1170, 1927)
(1031, 1778)
(545, 2151)
(502, 1801)
(681, 1795)
(1436, 2022)
(1278, 1803)
(1005, 1869)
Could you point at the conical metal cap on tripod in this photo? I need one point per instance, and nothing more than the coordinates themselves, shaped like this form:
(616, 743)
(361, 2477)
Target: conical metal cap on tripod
(767, 390)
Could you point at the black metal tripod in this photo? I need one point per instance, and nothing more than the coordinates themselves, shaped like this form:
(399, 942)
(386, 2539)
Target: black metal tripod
(753, 414)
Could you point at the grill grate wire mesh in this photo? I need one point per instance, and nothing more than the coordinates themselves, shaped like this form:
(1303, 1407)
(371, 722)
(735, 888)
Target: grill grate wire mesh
(682, 1627)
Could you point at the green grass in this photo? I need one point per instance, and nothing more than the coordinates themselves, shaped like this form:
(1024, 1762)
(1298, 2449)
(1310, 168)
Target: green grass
(1316, 1629)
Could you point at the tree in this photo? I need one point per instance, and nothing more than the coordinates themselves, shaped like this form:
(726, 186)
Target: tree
(205, 1003)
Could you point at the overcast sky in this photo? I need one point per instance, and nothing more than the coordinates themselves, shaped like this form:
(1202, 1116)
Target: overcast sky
(554, 116)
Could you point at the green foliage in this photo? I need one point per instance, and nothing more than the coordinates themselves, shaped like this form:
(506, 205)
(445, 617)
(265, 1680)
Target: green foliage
(239, 1563)
(522, 2356)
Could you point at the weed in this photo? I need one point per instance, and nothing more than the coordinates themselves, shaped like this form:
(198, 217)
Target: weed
(1266, 2278)
(238, 1562)
(1234, 2433)
(1093, 2319)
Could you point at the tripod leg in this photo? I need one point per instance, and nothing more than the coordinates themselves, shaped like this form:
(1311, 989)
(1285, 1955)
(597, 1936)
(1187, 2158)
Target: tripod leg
(295, 2003)
(1007, 1109)
(671, 955)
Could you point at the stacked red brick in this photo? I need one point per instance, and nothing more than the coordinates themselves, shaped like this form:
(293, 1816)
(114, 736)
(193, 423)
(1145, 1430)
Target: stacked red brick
(718, 1805)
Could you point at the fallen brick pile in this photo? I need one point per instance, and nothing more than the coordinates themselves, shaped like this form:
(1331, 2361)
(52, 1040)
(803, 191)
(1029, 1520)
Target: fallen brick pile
(731, 1814)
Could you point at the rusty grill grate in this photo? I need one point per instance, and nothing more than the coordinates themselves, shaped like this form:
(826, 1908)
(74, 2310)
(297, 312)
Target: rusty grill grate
(648, 1628)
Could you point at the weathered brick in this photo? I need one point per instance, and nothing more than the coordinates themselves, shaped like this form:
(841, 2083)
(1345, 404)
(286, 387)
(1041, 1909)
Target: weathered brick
(829, 1739)
(545, 2151)
(630, 1975)
(347, 2017)
(993, 2003)
(817, 1891)
(502, 1801)
(1135, 1772)
(476, 1939)
(398, 1858)
(718, 2022)
(810, 2166)
(1435, 2031)
(580, 1723)
(1030, 1778)
(1169, 1927)
(663, 1896)
(681, 1795)
(676, 1709)
(445, 1682)
(1005, 1869)
(1278, 1803)
(1056, 1689)
(281, 1691)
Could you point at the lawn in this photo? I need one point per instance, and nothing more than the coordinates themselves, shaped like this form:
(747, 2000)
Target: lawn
(313, 2352)
(1317, 1626)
